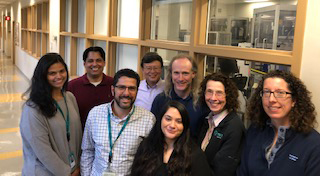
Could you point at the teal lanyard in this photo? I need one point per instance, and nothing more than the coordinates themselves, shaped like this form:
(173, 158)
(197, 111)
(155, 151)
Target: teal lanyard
(66, 119)
(110, 134)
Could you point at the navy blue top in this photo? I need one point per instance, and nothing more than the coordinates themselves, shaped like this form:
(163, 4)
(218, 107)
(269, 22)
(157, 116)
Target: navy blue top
(197, 114)
(299, 154)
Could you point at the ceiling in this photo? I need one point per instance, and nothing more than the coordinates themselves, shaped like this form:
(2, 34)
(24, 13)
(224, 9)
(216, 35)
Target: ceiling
(4, 3)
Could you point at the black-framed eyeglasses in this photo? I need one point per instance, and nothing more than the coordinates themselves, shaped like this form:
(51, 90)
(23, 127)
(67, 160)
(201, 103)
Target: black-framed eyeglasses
(277, 93)
(130, 88)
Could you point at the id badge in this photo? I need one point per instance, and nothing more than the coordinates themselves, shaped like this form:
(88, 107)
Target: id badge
(72, 161)
(109, 171)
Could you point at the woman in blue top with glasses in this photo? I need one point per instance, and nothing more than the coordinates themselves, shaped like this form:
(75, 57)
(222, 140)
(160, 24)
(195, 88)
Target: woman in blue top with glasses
(281, 139)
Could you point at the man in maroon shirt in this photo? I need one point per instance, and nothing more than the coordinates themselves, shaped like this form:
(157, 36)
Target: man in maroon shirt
(94, 87)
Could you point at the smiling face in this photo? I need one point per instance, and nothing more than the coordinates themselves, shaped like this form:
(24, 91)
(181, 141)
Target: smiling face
(182, 75)
(152, 72)
(94, 64)
(277, 108)
(215, 96)
(125, 92)
(57, 75)
(171, 124)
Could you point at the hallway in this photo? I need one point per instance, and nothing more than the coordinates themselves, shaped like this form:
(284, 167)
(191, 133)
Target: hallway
(12, 85)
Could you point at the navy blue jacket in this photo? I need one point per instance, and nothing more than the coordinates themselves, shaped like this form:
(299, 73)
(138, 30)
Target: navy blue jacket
(298, 156)
(196, 114)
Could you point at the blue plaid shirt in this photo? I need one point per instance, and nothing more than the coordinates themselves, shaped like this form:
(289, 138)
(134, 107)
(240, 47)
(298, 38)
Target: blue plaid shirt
(95, 142)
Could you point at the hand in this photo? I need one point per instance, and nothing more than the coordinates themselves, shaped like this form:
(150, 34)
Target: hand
(76, 172)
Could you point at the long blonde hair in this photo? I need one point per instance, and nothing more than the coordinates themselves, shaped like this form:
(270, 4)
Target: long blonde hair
(194, 84)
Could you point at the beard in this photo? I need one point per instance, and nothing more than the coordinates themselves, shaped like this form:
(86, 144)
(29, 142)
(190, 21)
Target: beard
(124, 106)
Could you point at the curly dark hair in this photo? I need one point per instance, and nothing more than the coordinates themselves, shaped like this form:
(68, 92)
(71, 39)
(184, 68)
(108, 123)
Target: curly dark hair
(149, 156)
(231, 90)
(302, 115)
(40, 89)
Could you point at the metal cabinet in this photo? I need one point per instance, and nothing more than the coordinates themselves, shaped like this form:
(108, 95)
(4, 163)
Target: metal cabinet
(273, 27)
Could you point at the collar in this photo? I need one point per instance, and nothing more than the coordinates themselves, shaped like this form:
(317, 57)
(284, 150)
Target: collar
(117, 119)
(175, 96)
(285, 131)
(144, 85)
(87, 82)
(216, 119)
(280, 127)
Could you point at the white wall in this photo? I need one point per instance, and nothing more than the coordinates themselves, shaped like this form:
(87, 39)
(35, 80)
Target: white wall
(310, 72)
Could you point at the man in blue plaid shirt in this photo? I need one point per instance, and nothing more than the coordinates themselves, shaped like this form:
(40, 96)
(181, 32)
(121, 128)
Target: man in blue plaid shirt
(114, 130)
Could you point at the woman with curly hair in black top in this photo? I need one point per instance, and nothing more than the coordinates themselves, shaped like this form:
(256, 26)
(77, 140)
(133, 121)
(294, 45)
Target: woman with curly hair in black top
(168, 149)
(281, 139)
(222, 134)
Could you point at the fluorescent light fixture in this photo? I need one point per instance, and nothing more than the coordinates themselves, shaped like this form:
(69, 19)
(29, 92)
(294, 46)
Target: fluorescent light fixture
(256, 0)
(266, 16)
(290, 18)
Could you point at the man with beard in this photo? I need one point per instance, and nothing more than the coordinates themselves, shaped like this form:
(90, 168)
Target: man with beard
(114, 130)
(94, 87)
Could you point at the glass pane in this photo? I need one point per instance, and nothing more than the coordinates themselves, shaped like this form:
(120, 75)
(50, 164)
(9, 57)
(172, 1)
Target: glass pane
(128, 21)
(101, 43)
(34, 42)
(67, 51)
(82, 16)
(101, 17)
(80, 49)
(171, 20)
(166, 55)
(127, 56)
(252, 23)
(39, 17)
(68, 16)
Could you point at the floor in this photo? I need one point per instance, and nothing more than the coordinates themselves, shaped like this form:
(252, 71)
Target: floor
(12, 85)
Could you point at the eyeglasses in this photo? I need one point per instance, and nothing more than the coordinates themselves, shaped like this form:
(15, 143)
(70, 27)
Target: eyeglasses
(152, 68)
(277, 93)
(130, 88)
(218, 94)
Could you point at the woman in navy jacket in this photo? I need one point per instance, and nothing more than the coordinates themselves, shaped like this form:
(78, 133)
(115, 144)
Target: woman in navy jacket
(222, 134)
(281, 139)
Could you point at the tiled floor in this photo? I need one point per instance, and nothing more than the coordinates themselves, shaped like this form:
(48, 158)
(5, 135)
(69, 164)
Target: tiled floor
(12, 85)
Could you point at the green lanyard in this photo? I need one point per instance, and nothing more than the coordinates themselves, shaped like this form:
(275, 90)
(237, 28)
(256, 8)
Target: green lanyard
(110, 134)
(66, 119)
